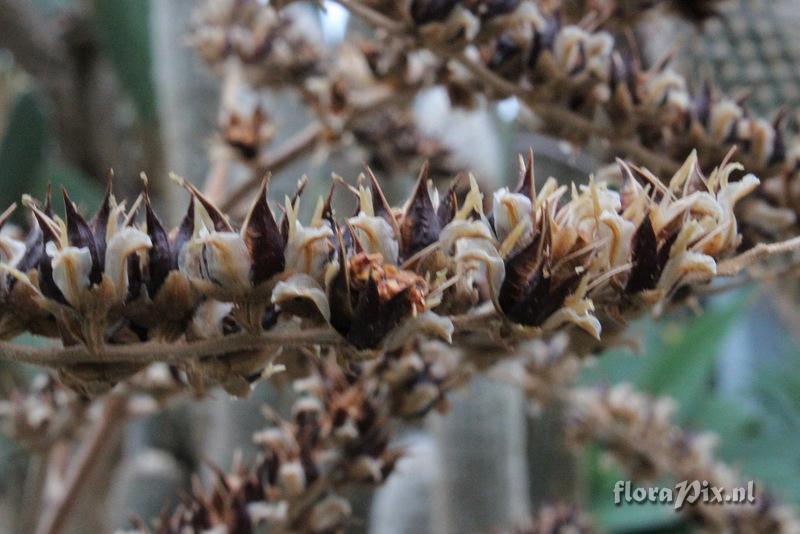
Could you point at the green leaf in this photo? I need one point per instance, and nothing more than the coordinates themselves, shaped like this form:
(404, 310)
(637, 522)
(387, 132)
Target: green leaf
(125, 29)
(678, 360)
(684, 368)
(23, 148)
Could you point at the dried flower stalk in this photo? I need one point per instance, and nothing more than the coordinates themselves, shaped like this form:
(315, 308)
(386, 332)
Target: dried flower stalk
(338, 435)
(582, 89)
(265, 48)
(220, 303)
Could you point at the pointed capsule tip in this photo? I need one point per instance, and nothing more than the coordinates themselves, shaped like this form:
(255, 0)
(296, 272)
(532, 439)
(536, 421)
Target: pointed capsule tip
(69, 205)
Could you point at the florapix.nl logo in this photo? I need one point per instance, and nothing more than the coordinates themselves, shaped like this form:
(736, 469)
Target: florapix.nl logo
(683, 493)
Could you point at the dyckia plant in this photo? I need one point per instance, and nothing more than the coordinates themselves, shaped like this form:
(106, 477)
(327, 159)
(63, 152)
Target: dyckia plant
(542, 260)
(376, 311)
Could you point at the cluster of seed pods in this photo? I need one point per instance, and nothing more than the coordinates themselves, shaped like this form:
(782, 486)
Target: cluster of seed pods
(378, 277)
(338, 433)
(271, 49)
(549, 58)
(553, 62)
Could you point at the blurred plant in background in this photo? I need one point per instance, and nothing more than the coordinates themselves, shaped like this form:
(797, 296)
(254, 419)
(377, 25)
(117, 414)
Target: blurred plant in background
(225, 92)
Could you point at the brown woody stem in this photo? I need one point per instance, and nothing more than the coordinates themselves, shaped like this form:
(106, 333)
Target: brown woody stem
(166, 352)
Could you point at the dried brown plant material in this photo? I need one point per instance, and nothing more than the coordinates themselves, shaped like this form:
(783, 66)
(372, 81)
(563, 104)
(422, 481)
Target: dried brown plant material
(616, 12)
(267, 41)
(543, 262)
(353, 90)
(573, 76)
(247, 134)
(43, 415)
(388, 140)
(338, 434)
(639, 433)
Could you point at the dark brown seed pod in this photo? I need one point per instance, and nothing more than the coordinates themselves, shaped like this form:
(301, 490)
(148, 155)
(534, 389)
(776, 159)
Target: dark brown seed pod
(264, 240)
(80, 234)
(520, 269)
(99, 222)
(160, 256)
(373, 317)
(369, 299)
(448, 205)
(183, 233)
(47, 285)
(649, 258)
(420, 224)
(340, 295)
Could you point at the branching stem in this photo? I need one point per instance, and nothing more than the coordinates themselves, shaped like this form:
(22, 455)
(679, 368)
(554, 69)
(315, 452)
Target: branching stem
(547, 112)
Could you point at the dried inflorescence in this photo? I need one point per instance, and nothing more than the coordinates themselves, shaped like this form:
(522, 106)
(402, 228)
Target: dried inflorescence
(565, 69)
(338, 434)
(574, 76)
(47, 412)
(638, 432)
(389, 140)
(536, 264)
(261, 48)
(273, 49)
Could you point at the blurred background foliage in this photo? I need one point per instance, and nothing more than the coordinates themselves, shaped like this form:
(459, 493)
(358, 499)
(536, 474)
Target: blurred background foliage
(683, 357)
(725, 377)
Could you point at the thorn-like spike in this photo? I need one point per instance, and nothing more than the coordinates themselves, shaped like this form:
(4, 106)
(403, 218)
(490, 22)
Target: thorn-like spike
(80, 235)
(263, 238)
(420, 226)
(48, 201)
(99, 222)
(220, 220)
(183, 233)
(448, 206)
(284, 222)
(161, 260)
(46, 224)
(527, 178)
(379, 203)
